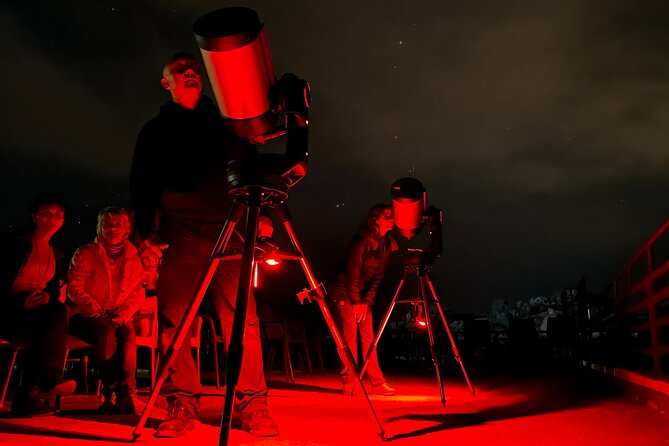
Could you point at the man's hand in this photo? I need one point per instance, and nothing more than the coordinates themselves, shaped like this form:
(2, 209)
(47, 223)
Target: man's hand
(360, 311)
(116, 320)
(35, 299)
(151, 251)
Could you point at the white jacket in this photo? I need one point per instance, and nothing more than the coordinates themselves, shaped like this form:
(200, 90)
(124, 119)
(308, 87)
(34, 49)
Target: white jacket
(89, 281)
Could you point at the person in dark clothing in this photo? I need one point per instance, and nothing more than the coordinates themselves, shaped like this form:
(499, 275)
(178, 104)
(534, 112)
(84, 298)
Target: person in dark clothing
(31, 313)
(354, 290)
(180, 201)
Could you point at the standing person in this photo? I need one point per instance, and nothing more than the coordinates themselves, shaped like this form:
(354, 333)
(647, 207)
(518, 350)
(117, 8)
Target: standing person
(355, 288)
(178, 180)
(105, 283)
(31, 313)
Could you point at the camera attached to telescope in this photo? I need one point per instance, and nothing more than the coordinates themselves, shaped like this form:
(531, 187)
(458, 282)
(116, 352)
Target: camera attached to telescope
(253, 103)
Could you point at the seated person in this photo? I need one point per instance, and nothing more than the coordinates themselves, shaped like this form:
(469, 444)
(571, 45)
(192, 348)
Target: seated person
(105, 283)
(31, 313)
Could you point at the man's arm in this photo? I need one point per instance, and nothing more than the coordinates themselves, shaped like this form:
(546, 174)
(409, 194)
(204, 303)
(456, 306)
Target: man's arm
(146, 184)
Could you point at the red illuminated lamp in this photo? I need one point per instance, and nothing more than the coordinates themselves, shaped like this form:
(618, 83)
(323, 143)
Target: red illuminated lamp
(419, 316)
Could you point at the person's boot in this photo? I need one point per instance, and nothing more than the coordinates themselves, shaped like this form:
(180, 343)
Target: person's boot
(107, 406)
(29, 404)
(259, 424)
(125, 403)
(62, 388)
(180, 419)
(383, 389)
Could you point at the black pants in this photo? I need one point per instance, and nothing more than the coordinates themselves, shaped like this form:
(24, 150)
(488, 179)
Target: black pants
(115, 349)
(43, 332)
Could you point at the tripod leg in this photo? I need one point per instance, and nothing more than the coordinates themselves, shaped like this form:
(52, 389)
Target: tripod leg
(342, 348)
(236, 347)
(456, 353)
(382, 326)
(184, 326)
(430, 332)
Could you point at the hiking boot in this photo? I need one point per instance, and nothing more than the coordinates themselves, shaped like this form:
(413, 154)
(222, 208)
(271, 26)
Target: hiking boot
(179, 421)
(62, 388)
(106, 408)
(383, 389)
(259, 424)
(125, 404)
(30, 406)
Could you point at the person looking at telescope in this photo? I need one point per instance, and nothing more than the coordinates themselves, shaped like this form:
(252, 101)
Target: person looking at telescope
(355, 288)
(180, 200)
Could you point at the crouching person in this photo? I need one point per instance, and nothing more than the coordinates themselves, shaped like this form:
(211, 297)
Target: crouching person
(105, 284)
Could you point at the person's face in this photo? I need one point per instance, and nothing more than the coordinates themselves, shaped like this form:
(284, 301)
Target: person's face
(183, 79)
(114, 228)
(48, 219)
(385, 221)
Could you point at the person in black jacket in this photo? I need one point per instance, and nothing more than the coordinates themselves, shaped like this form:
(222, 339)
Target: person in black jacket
(355, 288)
(180, 200)
(31, 313)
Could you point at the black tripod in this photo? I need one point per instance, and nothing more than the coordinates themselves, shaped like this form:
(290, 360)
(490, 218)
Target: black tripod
(266, 190)
(421, 266)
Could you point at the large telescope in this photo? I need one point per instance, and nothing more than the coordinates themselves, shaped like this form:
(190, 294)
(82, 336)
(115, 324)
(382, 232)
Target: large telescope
(238, 61)
(411, 214)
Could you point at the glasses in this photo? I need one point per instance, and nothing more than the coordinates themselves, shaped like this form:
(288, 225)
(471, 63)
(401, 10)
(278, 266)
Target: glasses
(180, 67)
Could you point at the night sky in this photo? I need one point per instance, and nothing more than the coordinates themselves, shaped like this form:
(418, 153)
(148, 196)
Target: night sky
(540, 128)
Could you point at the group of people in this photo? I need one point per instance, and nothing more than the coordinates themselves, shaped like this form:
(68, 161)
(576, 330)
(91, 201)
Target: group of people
(180, 201)
(97, 298)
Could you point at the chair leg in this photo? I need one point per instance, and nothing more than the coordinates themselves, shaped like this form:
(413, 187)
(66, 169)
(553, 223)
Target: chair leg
(216, 371)
(154, 353)
(84, 361)
(306, 353)
(319, 352)
(269, 360)
(288, 365)
(197, 364)
(9, 376)
(67, 354)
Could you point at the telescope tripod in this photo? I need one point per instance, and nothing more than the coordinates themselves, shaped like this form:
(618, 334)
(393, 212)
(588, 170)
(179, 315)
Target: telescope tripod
(250, 198)
(422, 270)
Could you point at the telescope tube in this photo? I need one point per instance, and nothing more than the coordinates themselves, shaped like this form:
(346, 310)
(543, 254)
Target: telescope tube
(408, 196)
(238, 61)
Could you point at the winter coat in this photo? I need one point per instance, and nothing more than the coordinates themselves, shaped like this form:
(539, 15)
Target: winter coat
(15, 251)
(89, 282)
(366, 263)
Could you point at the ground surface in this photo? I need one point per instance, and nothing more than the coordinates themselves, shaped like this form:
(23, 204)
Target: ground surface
(519, 408)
